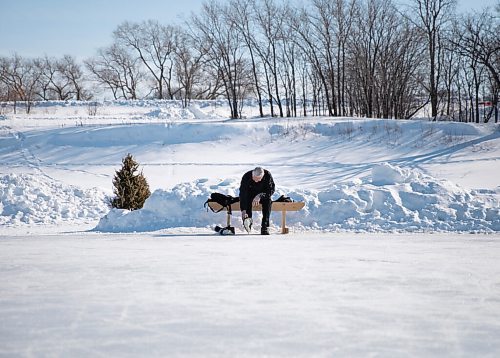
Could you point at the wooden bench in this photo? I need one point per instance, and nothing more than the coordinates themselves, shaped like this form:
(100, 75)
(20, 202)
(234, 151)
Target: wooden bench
(277, 206)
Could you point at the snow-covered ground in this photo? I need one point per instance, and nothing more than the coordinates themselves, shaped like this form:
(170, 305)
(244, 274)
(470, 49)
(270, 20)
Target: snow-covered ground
(173, 294)
(394, 254)
(57, 165)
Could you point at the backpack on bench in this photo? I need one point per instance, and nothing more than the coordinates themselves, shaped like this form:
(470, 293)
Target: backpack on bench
(222, 199)
(225, 201)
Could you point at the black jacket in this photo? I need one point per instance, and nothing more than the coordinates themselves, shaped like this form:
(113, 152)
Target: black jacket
(249, 189)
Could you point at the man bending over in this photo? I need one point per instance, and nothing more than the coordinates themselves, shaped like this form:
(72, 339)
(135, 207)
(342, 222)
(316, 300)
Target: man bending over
(257, 187)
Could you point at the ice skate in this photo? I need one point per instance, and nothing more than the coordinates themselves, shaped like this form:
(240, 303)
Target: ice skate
(247, 224)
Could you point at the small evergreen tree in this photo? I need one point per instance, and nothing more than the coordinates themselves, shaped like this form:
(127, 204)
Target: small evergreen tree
(131, 189)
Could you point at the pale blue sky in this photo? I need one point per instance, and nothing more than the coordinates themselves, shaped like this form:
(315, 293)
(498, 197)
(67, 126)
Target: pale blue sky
(35, 28)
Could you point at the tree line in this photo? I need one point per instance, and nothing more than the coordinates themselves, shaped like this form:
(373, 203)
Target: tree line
(328, 57)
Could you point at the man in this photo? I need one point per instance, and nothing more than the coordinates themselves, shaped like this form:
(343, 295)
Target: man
(257, 187)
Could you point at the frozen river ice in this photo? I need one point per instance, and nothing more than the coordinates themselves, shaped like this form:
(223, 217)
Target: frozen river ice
(195, 294)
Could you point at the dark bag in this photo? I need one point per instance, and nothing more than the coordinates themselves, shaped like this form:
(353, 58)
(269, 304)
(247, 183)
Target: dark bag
(284, 199)
(225, 201)
(222, 199)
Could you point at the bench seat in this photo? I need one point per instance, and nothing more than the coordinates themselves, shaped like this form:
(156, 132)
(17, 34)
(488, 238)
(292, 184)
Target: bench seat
(282, 206)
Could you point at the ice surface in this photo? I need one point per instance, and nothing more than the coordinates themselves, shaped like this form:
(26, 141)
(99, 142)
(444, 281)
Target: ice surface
(169, 294)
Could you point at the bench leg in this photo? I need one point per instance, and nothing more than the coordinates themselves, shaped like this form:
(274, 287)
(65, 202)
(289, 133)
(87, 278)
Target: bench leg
(284, 229)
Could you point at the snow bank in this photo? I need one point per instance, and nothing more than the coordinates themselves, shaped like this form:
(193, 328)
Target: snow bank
(395, 199)
(133, 135)
(123, 111)
(30, 199)
(386, 174)
(182, 206)
(401, 200)
(413, 134)
(314, 157)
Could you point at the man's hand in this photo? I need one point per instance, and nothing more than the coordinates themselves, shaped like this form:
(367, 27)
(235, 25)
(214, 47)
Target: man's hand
(244, 214)
(256, 200)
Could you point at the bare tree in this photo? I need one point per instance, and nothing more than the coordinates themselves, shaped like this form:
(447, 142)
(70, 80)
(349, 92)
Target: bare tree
(308, 40)
(322, 33)
(343, 12)
(226, 50)
(72, 72)
(104, 75)
(242, 18)
(398, 68)
(271, 34)
(432, 17)
(190, 56)
(323, 23)
(366, 47)
(54, 82)
(4, 94)
(290, 59)
(21, 76)
(47, 73)
(450, 72)
(155, 45)
(476, 37)
(116, 68)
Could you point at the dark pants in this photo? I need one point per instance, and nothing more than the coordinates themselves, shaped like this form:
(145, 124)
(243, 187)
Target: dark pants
(266, 203)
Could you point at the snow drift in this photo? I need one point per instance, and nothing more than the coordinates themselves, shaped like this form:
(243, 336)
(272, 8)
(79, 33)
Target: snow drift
(396, 199)
(185, 291)
(35, 199)
(57, 164)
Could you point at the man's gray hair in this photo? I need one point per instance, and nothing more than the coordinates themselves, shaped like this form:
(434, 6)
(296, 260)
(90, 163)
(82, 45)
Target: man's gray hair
(258, 172)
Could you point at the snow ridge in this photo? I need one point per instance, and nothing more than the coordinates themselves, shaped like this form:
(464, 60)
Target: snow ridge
(35, 199)
(395, 199)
